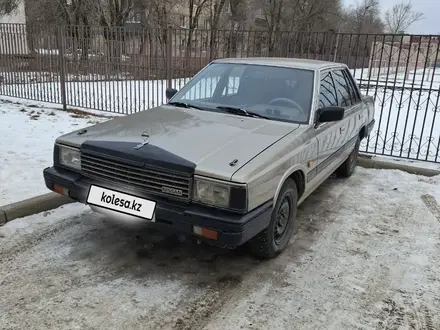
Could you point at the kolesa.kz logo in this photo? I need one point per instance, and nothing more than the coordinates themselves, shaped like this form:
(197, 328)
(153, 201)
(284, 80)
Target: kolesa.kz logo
(131, 205)
(122, 202)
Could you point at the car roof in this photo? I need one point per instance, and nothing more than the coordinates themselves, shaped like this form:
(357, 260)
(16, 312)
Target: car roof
(298, 63)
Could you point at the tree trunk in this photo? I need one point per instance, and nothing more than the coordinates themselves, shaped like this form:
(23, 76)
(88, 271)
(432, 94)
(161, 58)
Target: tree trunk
(213, 53)
(218, 9)
(29, 33)
(85, 44)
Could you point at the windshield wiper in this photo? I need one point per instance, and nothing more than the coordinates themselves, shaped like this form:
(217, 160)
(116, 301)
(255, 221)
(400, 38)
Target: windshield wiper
(241, 111)
(184, 105)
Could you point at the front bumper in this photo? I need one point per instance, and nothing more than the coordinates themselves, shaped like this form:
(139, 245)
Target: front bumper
(233, 229)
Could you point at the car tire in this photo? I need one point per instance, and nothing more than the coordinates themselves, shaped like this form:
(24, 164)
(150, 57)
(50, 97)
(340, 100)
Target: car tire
(274, 239)
(348, 167)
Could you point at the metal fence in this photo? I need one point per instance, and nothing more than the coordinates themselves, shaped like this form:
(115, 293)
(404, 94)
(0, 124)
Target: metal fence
(127, 69)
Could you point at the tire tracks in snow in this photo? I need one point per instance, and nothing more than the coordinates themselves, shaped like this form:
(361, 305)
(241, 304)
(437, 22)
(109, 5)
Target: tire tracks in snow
(271, 276)
(238, 275)
(29, 241)
(209, 285)
(410, 313)
(432, 205)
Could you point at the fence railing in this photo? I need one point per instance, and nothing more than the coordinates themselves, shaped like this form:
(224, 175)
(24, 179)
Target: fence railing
(127, 69)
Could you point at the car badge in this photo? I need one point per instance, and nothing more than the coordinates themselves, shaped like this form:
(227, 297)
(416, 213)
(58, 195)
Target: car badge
(146, 137)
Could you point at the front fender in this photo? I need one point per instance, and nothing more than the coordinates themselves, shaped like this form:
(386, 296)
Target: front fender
(287, 174)
(266, 173)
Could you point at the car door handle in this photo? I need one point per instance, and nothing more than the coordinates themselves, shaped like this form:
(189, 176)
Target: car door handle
(361, 116)
(341, 129)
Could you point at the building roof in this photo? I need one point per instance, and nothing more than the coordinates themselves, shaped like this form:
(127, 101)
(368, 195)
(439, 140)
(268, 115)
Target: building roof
(298, 63)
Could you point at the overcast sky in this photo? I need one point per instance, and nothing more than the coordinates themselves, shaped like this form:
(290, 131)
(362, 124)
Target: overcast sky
(430, 9)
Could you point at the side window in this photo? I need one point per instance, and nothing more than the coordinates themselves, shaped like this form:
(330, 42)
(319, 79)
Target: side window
(342, 89)
(355, 97)
(327, 91)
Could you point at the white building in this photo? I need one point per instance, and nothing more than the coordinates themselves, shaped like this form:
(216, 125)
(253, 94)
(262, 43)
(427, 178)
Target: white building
(18, 16)
(13, 31)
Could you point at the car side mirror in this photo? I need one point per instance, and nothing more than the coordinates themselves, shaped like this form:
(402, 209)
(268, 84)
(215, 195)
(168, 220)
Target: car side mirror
(330, 114)
(170, 92)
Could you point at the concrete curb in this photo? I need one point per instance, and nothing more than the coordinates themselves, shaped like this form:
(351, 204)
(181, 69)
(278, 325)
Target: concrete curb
(32, 206)
(369, 162)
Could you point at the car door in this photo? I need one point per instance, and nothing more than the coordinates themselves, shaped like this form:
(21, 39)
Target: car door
(359, 107)
(330, 135)
(350, 101)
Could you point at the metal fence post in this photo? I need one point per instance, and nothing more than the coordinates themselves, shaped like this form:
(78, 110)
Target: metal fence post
(169, 55)
(60, 43)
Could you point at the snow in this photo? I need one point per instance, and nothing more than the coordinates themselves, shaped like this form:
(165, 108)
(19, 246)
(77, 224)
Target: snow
(33, 223)
(407, 121)
(83, 287)
(30, 77)
(54, 106)
(374, 262)
(123, 96)
(420, 78)
(414, 163)
(365, 256)
(48, 51)
(26, 146)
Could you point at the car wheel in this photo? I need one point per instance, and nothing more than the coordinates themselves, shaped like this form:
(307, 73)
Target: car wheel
(274, 239)
(347, 168)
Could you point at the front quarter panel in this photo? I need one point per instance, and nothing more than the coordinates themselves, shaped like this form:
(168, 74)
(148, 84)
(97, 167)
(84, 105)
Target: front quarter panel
(267, 172)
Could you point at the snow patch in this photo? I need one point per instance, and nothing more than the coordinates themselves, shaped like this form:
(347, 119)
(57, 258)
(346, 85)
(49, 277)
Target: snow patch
(26, 146)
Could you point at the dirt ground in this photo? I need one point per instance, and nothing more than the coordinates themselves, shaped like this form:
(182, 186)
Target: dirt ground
(366, 256)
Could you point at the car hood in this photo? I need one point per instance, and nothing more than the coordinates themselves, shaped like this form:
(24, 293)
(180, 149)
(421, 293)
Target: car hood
(210, 140)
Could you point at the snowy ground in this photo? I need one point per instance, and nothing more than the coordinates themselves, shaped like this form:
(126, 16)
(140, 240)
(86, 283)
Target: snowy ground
(395, 160)
(28, 134)
(420, 78)
(407, 120)
(366, 256)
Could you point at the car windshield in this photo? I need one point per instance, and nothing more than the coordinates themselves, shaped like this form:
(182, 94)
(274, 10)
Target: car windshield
(278, 93)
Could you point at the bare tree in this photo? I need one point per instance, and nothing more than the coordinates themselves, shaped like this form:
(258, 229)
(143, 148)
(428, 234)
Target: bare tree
(237, 19)
(113, 15)
(162, 14)
(76, 15)
(364, 18)
(401, 17)
(114, 12)
(216, 11)
(8, 6)
(272, 15)
(297, 17)
(363, 21)
(316, 15)
(155, 17)
(195, 8)
(143, 8)
(215, 14)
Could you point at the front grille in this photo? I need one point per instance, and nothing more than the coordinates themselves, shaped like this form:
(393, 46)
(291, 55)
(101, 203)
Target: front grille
(153, 181)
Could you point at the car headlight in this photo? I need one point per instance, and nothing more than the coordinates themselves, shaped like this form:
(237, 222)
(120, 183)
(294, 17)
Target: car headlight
(69, 157)
(220, 194)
